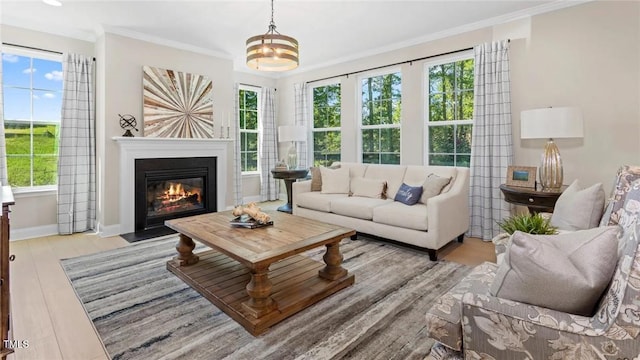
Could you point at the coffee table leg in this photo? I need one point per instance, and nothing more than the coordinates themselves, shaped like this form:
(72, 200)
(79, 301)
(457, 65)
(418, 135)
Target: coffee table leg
(333, 259)
(185, 251)
(260, 302)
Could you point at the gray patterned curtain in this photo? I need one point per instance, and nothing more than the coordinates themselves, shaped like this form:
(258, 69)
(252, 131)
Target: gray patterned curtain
(301, 92)
(491, 150)
(237, 161)
(3, 149)
(77, 150)
(269, 189)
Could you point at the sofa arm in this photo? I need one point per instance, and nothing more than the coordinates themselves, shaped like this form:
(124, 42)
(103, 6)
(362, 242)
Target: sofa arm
(448, 213)
(299, 187)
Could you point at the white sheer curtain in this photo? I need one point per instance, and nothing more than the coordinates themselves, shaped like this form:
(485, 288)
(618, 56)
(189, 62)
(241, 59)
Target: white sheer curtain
(491, 150)
(269, 189)
(3, 148)
(301, 96)
(237, 161)
(76, 162)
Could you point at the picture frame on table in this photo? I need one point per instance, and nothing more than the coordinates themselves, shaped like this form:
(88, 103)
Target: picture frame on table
(521, 176)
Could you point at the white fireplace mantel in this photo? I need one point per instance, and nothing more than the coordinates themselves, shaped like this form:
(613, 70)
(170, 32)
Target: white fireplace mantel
(132, 148)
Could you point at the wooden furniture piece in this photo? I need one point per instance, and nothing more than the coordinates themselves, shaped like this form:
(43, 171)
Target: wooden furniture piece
(289, 177)
(256, 275)
(533, 198)
(5, 319)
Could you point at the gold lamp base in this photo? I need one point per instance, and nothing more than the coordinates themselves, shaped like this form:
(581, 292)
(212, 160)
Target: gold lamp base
(551, 168)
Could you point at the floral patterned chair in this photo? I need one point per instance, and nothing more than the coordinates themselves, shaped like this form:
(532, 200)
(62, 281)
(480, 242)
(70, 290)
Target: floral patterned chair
(467, 322)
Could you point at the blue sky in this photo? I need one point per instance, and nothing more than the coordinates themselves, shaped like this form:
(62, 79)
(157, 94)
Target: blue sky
(18, 72)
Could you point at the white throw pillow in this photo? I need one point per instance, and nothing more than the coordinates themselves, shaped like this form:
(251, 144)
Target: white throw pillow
(371, 188)
(579, 209)
(335, 181)
(433, 186)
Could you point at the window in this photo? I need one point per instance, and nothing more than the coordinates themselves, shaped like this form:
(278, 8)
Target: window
(326, 124)
(32, 98)
(380, 119)
(450, 112)
(248, 107)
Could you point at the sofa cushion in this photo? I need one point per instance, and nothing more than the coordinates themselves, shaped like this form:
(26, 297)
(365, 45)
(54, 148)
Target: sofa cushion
(416, 175)
(357, 207)
(566, 272)
(579, 209)
(433, 186)
(371, 188)
(317, 201)
(335, 181)
(399, 214)
(392, 174)
(408, 195)
(316, 177)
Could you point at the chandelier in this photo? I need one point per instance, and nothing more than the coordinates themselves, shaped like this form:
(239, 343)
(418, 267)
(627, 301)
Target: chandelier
(272, 51)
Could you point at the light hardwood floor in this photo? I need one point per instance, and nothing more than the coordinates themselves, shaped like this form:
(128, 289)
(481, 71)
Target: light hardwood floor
(47, 313)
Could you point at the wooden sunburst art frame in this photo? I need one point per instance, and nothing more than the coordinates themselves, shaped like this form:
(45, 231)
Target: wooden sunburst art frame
(176, 104)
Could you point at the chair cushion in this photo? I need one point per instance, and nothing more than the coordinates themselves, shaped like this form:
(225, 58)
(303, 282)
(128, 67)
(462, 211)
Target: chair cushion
(566, 272)
(579, 209)
(399, 214)
(316, 201)
(444, 318)
(356, 207)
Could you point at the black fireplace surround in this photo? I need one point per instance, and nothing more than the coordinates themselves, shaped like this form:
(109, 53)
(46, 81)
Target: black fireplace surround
(194, 176)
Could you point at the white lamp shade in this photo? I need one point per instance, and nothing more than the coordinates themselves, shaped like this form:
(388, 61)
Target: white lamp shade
(292, 133)
(551, 123)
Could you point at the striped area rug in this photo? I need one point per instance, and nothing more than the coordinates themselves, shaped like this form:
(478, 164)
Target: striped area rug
(142, 311)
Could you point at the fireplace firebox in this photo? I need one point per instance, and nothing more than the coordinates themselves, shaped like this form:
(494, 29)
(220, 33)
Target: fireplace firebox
(169, 188)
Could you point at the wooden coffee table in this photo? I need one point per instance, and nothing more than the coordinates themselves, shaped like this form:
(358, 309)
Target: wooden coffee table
(256, 275)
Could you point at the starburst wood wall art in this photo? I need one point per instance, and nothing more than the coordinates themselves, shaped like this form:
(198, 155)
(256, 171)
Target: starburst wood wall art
(176, 104)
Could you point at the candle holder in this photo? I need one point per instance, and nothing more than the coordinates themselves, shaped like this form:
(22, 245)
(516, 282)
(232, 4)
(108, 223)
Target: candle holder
(221, 131)
(228, 129)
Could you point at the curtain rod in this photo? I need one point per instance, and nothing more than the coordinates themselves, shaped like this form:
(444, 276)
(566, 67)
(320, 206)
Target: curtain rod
(35, 48)
(394, 64)
(255, 86)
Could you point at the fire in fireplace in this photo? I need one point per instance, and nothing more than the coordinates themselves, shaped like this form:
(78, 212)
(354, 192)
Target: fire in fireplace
(169, 188)
(166, 197)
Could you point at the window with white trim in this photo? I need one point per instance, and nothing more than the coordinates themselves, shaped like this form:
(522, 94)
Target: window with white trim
(380, 118)
(326, 124)
(32, 106)
(449, 111)
(249, 128)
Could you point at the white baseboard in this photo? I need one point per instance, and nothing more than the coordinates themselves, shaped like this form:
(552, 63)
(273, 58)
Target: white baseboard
(33, 232)
(248, 199)
(109, 230)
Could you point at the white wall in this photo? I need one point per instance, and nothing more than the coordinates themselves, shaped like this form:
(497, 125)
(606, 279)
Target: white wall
(586, 55)
(121, 93)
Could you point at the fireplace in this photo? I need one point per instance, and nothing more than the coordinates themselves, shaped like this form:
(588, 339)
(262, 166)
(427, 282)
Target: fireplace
(169, 188)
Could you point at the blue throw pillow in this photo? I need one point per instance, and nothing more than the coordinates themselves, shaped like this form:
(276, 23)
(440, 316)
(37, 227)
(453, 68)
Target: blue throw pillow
(408, 195)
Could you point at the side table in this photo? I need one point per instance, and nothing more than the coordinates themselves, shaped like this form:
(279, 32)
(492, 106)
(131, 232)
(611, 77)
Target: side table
(535, 199)
(289, 176)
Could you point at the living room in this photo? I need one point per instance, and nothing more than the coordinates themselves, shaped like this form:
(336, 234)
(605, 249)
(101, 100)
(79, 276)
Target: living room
(579, 54)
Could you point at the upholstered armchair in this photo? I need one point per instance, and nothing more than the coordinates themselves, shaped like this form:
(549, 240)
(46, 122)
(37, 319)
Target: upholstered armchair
(468, 322)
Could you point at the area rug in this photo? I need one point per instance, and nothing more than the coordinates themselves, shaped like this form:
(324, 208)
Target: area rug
(142, 311)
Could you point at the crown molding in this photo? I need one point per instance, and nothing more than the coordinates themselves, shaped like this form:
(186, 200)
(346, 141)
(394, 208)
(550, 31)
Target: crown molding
(517, 15)
(164, 42)
(38, 26)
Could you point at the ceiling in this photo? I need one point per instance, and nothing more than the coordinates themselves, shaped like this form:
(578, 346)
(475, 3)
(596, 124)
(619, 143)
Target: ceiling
(328, 31)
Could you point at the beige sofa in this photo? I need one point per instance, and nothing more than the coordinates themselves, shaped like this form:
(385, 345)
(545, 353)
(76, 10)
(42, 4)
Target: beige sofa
(428, 226)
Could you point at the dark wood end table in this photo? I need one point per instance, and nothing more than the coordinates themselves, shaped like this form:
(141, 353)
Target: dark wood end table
(289, 176)
(535, 199)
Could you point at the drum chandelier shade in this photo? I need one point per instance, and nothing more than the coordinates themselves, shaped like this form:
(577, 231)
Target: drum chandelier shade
(272, 51)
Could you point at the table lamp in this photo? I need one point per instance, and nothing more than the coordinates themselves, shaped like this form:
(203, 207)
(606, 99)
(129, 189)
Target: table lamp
(551, 123)
(292, 133)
